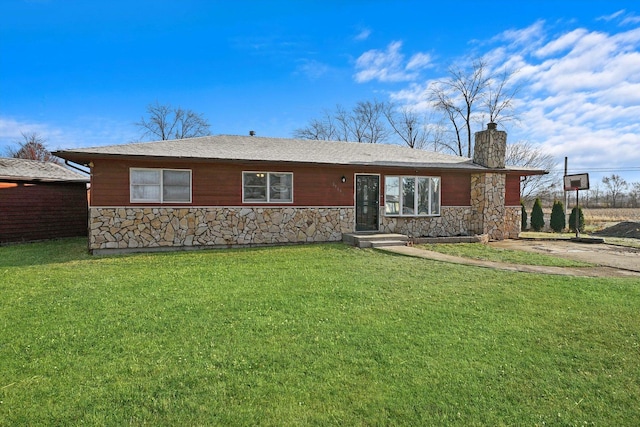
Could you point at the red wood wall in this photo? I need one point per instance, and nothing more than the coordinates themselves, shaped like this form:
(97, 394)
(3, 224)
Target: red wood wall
(42, 211)
(512, 192)
(220, 183)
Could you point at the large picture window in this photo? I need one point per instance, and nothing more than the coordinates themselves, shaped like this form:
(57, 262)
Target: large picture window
(267, 187)
(160, 185)
(412, 195)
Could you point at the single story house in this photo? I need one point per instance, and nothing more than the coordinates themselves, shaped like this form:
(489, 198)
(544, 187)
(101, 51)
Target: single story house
(246, 190)
(41, 200)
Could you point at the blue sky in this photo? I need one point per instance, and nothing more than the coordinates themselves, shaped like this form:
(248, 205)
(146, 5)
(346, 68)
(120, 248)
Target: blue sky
(80, 73)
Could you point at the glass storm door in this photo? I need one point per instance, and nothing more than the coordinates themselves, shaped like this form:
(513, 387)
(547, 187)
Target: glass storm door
(367, 199)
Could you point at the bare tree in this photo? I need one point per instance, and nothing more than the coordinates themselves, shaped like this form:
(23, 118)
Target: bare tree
(498, 97)
(595, 192)
(525, 154)
(634, 194)
(615, 185)
(457, 95)
(364, 123)
(468, 94)
(408, 125)
(443, 101)
(33, 147)
(319, 129)
(166, 122)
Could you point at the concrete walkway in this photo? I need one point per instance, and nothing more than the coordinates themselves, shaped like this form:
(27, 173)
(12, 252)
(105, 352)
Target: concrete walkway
(595, 271)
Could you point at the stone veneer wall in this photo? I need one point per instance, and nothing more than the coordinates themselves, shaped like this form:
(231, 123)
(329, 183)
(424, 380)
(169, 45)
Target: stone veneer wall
(490, 147)
(153, 227)
(487, 202)
(512, 222)
(453, 221)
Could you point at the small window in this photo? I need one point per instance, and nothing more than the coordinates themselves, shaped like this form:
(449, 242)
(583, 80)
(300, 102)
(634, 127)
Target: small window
(160, 186)
(267, 187)
(412, 196)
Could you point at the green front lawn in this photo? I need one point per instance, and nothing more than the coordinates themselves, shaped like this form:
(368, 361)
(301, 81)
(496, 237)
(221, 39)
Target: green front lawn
(308, 335)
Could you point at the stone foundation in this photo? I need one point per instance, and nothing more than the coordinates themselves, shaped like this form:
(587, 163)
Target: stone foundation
(453, 221)
(150, 227)
(512, 222)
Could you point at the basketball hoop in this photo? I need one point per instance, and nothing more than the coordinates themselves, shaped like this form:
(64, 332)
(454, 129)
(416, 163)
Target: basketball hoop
(576, 182)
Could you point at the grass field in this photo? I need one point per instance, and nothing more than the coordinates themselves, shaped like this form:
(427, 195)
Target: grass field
(308, 335)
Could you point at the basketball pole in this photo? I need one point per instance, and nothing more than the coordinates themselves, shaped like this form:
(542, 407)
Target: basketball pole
(566, 194)
(577, 215)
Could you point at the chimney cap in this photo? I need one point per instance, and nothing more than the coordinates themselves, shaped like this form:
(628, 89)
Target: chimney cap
(492, 125)
(252, 133)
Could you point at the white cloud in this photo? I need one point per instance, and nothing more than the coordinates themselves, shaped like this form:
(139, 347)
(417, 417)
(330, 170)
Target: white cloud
(363, 34)
(419, 61)
(622, 16)
(97, 130)
(526, 39)
(389, 65)
(11, 131)
(312, 69)
(563, 42)
(580, 92)
(612, 16)
(630, 20)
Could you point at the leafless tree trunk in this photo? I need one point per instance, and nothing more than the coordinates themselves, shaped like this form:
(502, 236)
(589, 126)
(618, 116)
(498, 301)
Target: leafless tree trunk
(443, 102)
(457, 95)
(33, 148)
(166, 122)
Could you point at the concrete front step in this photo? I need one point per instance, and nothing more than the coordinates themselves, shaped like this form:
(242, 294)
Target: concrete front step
(380, 239)
(384, 243)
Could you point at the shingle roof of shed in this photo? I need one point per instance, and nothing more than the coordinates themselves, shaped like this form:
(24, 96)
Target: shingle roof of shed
(31, 170)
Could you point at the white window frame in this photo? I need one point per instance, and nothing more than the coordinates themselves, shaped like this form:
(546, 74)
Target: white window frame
(161, 185)
(268, 185)
(415, 195)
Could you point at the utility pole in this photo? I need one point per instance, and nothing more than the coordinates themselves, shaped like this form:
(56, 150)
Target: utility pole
(566, 193)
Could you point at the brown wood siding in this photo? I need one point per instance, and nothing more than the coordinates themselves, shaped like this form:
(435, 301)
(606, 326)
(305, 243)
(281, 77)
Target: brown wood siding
(512, 191)
(456, 189)
(42, 211)
(220, 183)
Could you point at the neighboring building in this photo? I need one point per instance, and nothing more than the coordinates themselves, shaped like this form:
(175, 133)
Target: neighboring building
(246, 190)
(41, 200)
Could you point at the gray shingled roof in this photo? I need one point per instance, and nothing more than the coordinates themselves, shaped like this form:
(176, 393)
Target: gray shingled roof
(31, 170)
(231, 147)
(252, 148)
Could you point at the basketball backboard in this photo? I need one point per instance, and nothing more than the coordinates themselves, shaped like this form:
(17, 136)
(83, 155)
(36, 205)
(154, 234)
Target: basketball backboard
(576, 182)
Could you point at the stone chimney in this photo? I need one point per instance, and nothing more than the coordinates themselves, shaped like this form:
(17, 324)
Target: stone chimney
(490, 147)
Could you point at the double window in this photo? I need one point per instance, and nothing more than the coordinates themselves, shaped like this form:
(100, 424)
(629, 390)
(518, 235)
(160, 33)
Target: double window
(267, 187)
(412, 195)
(160, 185)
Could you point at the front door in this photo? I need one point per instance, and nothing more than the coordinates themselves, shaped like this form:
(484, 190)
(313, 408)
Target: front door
(367, 199)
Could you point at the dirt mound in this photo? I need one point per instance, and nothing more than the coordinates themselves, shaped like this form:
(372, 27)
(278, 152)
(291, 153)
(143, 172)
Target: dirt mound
(623, 229)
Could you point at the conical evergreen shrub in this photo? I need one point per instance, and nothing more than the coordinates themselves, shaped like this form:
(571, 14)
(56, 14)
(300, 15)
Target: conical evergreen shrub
(524, 217)
(572, 220)
(557, 222)
(537, 216)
